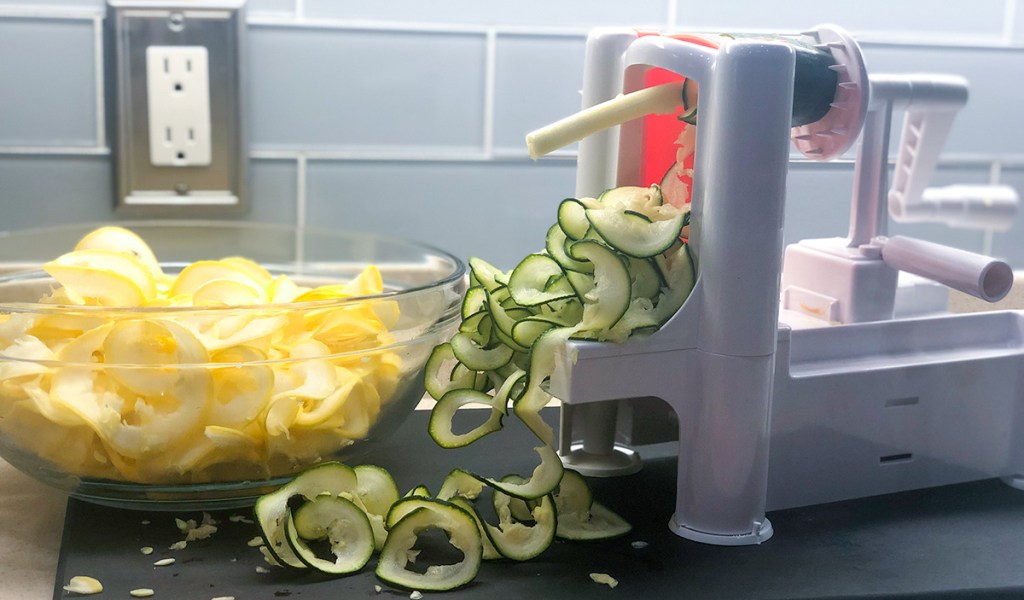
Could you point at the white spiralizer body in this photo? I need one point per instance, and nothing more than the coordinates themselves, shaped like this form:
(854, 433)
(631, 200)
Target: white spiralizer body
(770, 415)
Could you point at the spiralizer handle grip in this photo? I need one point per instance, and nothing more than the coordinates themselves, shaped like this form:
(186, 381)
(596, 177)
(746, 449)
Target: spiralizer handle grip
(975, 274)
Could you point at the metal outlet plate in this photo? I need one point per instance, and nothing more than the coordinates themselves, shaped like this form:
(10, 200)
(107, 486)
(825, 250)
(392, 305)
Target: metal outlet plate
(217, 188)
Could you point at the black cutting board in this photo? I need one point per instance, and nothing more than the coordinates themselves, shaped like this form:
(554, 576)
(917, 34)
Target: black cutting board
(951, 542)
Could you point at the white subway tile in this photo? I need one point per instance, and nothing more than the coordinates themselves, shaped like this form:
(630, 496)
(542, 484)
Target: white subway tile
(36, 191)
(1009, 245)
(48, 92)
(817, 201)
(273, 186)
(990, 123)
(899, 19)
(818, 204)
(499, 211)
(1015, 21)
(270, 7)
(538, 81)
(318, 88)
(49, 4)
(563, 13)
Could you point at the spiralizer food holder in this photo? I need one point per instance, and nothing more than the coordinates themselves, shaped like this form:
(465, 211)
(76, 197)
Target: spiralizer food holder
(772, 416)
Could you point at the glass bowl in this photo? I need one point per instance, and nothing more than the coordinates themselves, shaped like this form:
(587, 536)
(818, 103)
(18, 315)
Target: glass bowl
(189, 407)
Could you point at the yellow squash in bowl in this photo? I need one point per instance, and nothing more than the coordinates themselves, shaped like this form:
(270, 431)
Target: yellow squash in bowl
(180, 396)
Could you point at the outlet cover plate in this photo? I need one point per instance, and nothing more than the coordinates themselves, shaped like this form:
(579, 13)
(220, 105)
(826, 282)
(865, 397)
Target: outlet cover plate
(217, 188)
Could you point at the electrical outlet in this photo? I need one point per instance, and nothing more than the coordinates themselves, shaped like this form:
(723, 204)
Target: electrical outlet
(176, 109)
(178, 90)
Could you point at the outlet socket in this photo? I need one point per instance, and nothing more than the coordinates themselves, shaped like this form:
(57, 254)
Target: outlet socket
(178, 90)
(176, 110)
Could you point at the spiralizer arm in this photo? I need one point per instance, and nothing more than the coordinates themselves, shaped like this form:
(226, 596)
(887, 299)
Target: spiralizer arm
(854, 280)
(931, 103)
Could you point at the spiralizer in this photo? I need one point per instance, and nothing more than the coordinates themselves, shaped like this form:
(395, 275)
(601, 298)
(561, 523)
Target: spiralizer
(770, 415)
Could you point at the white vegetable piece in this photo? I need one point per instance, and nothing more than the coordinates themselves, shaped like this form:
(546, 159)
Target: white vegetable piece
(82, 584)
(604, 578)
(141, 593)
(655, 100)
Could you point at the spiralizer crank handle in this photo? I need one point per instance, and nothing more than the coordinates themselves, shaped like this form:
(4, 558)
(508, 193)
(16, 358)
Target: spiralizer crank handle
(975, 274)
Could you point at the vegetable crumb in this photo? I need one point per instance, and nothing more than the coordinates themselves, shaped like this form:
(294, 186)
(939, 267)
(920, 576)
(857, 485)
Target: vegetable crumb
(184, 525)
(378, 589)
(82, 584)
(604, 578)
(255, 542)
(141, 593)
(262, 570)
(146, 522)
(147, 550)
(163, 562)
(267, 556)
(639, 544)
(223, 598)
(239, 519)
(201, 533)
(209, 520)
(178, 545)
(415, 595)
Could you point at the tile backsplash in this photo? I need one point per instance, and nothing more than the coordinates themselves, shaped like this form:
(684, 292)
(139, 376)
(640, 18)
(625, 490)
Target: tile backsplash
(408, 117)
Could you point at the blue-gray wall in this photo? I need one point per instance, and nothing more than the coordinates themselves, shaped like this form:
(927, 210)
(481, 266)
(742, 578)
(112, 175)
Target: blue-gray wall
(408, 116)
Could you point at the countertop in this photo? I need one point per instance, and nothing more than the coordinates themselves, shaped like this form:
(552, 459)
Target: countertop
(33, 515)
(951, 541)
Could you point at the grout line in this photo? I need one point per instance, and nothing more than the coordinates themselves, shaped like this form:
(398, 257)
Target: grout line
(99, 82)
(535, 31)
(884, 38)
(301, 21)
(490, 75)
(1009, 21)
(948, 160)
(268, 154)
(496, 154)
(364, 155)
(300, 208)
(363, 25)
(671, 15)
(927, 42)
(995, 174)
(54, 150)
(28, 11)
(522, 155)
(988, 241)
(870, 38)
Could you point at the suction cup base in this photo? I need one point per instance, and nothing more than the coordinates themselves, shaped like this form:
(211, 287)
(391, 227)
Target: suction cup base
(762, 534)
